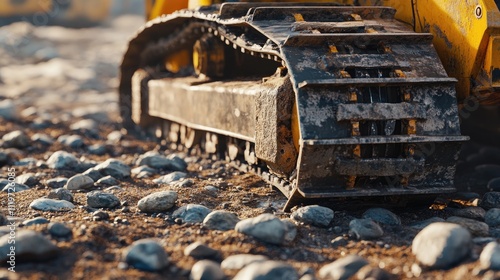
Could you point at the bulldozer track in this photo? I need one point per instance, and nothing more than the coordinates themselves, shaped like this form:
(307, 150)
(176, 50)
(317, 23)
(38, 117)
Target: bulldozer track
(369, 93)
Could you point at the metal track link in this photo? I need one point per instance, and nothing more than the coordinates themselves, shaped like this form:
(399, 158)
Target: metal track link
(369, 95)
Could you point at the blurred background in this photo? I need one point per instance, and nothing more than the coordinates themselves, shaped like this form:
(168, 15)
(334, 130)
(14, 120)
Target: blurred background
(59, 58)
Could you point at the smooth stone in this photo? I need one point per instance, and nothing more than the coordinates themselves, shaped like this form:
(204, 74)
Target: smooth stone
(143, 168)
(16, 139)
(186, 183)
(107, 181)
(10, 186)
(206, 270)
(36, 221)
(374, 273)
(146, 254)
(158, 161)
(97, 149)
(441, 245)
(30, 246)
(72, 141)
(267, 270)
(4, 157)
(237, 262)
(79, 182)
(495, 232)
(46, 204)
(28, 179)
(85, 125)
(115, 168)
(87, 164)
(93, 173)
(114, 136)
(100, 199)
(382, 216)
(490, 200)
(221, 220)
(490, 256)
(62, 160)
(471, 212)
(313, 215)
(265, 227)
(58, 229)
(61, 194)
(178, 164)
(199, 250)
(43, 139)
(56, 183)
(157, 202)
(100, 215)
(492, 217)
(365, 229)
(343, 268)
(170, 178)
(8, 109)
(426, 222)
(210, 189)
(482, 240)
(290, 230)
(191, 213)
(27, 162)
(494, 184)
(476, 228)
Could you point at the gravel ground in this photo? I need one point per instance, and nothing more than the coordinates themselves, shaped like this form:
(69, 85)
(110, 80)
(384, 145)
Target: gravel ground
(92, 202)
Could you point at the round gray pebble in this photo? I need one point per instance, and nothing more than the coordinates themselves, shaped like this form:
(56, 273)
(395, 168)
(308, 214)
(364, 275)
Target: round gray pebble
(146, 254)
(265, 227)
(61, 194)
(79, 182)
(199, 250)
(191, 213)
(221, 220)
(267, 270)
(313, 215)
(206, 270)
(57, 229)
(47, 204)
(100, 199)
(492, 217)
(490, 256)
(342, 268)
(36, 221)
(382, 216)
(157, 202)
(365, 229)
(441, 245)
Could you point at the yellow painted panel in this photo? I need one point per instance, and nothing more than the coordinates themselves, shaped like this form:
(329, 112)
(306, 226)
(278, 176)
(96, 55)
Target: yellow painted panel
(91, 10)
(28, 7)
(167, 7)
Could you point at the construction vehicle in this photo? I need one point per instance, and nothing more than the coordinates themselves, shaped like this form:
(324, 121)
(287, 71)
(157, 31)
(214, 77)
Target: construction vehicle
(338, 99)
(73, 13)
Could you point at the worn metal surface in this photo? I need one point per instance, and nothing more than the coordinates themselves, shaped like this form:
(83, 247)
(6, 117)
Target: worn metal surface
(225, 108)
(376, 111)
(380, 111)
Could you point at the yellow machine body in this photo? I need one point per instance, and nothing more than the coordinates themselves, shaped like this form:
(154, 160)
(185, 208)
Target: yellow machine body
(45, 11)
(14, 8)
(466, 36)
